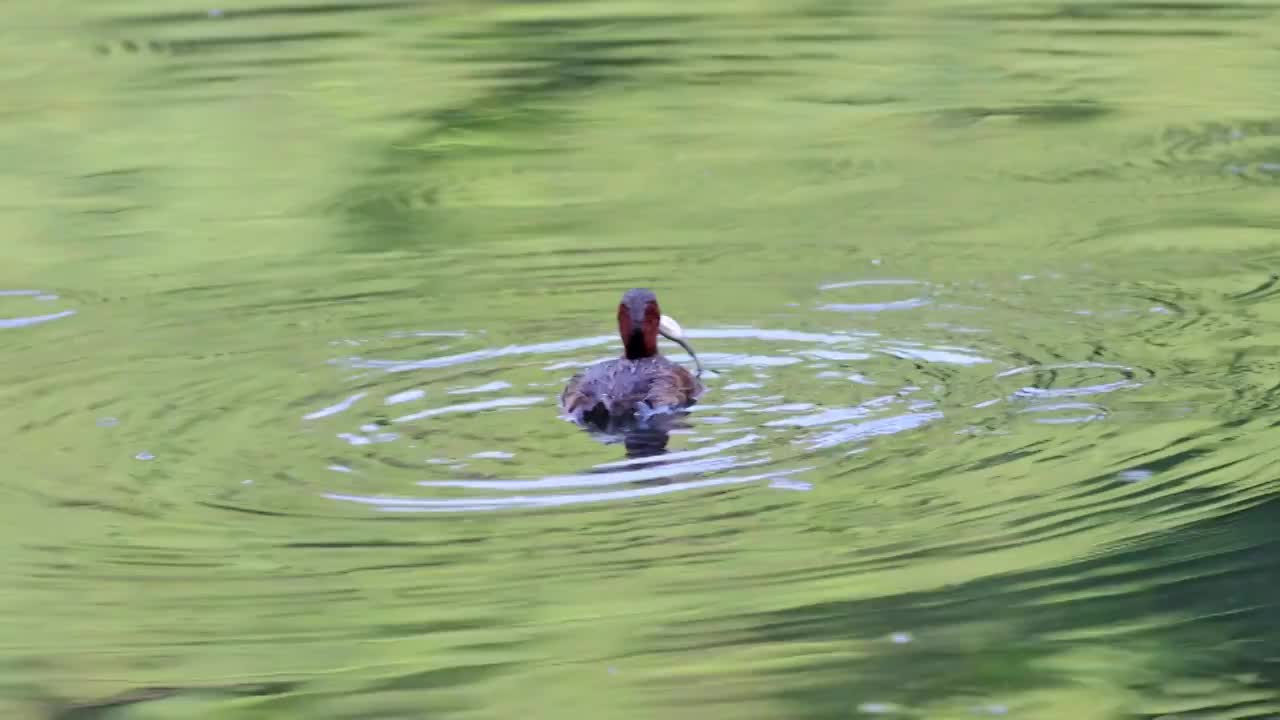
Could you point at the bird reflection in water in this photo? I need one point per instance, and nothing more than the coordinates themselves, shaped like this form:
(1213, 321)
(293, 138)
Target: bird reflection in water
(647, 437)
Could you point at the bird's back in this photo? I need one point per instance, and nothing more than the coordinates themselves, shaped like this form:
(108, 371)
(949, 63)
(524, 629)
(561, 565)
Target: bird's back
(617, 387)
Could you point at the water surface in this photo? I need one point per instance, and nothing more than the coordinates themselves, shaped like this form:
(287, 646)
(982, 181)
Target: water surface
(986, 290)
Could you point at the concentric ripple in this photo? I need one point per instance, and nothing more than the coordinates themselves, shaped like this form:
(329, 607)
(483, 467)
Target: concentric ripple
(776, 395)
(444, 421)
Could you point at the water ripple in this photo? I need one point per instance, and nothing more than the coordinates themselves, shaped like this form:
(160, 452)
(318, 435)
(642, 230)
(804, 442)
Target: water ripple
(775, 402)
(34, 319)
(752, 372)
(472, 407)
(909, 303)
(392, 504)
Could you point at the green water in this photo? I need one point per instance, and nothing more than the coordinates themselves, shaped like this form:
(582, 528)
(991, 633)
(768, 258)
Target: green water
(985, 290)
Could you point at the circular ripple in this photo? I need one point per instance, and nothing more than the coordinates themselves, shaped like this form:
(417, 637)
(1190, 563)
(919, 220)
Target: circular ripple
(462, 427)
(442, 421)
(445, 420)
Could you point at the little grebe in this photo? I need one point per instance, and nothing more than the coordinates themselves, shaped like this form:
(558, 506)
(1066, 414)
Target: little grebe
(642, 380)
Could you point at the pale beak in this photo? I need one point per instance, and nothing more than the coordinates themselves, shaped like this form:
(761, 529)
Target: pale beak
(671, 330)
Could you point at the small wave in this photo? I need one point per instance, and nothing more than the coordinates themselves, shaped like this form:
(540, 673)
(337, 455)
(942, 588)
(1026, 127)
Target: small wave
(22, 321)
(402, 504)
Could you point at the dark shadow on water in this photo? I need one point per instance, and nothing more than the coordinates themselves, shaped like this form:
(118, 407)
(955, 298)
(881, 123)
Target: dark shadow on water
(379, 697)
(1211, 584)
(1118, 11)
(106, 708)
(1064, 112)
(258, 13)
(395, 205)
(534, 71)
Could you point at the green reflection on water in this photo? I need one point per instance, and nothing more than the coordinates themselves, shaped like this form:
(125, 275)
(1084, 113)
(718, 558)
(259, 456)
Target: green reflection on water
(235, 204)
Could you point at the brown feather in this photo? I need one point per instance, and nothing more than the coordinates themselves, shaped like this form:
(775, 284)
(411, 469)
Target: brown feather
(616, 387)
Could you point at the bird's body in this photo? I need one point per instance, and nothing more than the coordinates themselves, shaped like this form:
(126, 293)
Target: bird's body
(623, 387)
(640, 382)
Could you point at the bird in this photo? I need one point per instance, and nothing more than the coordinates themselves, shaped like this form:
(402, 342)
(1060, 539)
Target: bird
(642, 381)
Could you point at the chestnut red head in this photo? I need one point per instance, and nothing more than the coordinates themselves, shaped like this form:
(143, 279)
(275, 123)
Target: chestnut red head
(638, 320)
